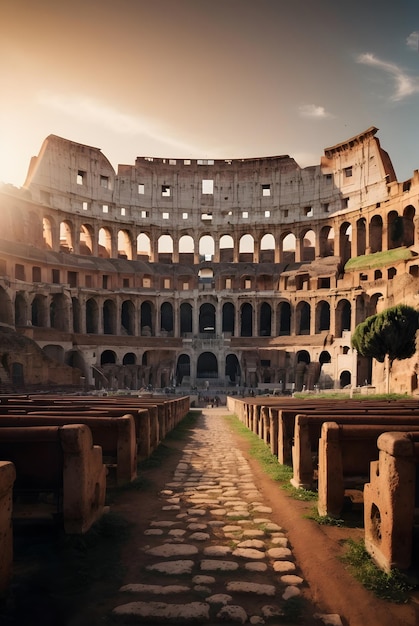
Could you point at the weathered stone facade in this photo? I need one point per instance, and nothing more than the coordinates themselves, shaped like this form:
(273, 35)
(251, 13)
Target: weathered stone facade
(226, 272)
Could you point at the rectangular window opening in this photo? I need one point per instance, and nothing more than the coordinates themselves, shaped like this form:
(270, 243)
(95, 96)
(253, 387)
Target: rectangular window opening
(81, 177)
(165, 191)
(104, 182)
(207, 186)
(266, 190)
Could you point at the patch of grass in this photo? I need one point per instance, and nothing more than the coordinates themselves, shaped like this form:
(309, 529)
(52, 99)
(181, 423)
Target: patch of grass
(393, 586)
(260, 451)
(378, 259)
(305, 495)
(324, 520)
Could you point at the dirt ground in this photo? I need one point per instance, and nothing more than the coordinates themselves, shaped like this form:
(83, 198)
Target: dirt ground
(53, 589)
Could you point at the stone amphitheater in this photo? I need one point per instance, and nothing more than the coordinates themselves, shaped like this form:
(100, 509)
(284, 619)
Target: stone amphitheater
(203, 275)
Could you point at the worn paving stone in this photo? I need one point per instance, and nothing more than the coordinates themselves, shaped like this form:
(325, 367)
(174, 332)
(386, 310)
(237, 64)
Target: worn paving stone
(213, 515)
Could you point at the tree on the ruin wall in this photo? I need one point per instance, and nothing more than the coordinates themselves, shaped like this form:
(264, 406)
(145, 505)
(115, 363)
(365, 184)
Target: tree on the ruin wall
(388, 336)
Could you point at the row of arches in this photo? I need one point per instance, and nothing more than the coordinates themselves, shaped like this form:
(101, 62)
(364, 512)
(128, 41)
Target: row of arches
(354, 236)
(109, 316)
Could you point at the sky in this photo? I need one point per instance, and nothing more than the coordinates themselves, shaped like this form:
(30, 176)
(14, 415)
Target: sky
(208, 78)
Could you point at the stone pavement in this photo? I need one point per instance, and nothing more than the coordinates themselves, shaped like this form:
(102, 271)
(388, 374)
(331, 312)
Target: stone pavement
(214, 555)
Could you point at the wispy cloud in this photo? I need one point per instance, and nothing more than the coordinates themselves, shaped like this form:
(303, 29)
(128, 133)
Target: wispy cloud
(405, 85)
(89, 110)
(413, 41)
(313, 111)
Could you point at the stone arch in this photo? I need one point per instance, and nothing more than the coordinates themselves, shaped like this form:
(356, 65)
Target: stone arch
(108, 357)
(374, 303)
(409, 226)
(288, 247)
(322, 316)
(66, 236)
(376, 234)
(267, 248)
(54, 352)
(147, 319)
(207, 366)
(361, 236)
(183, 368)
(324, 357)
(166, 318)
(128, 318)
(232, 369)
(186, 249)
(206, 248)
(342, 317)
(109, 318)
(345, 238)
(228, 318)
(105, 243)
(207, 318)
(6, 308)
(303, 318)
(77, 315)
(21, 309)
(360, 309)
(308, 245)
(129, 358)
(265, 319)
(246, 320)
(246, 248)
(284, 318)
(86, 239)
(345, 379)
(143, 247)
(39, 311)
(124, 244)
(226, 249)
(47, 233)
(165, 248)
(185, 319)
(92, 316)
(59, 312)
(327, 241)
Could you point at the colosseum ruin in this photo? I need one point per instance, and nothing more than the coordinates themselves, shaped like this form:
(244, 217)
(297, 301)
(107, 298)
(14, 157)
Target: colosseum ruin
(203, 274)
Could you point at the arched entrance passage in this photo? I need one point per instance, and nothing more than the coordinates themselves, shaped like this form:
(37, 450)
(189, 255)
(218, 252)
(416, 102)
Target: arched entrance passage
(207, 319)
(183, 369)
(345, 379)
(232, 370)
(207, 366)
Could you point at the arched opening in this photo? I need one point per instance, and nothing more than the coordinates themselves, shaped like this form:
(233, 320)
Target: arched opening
(146, 321)
(207, 319)
(409, 226)
(345, 379)
(343, 317)
(308, 245)
(107, 357)
(232, 370)
(109, 317)
(166, 319)
(47, 233)
(129, 359)
(124, 245)
(226, 249)
(327, 241)
(128, 318)
(183, 369)
(58, 312)
(21, 309)
(165, 249)
(361, 236)
(54, 352)
(86, 240)
(246, 320)
(325, 357)
(345, 238)
(322, 316)
(303, 318)
(206, 248)
(228, 318)
(288, 248)
(246, 249)
(185, 318)
(265, 320)
(105, 243)
(143, 247)
(207, 366)
(39, 311)
(376, 234)
(66, 237)
(284, 318)
(92, 317)
(267, 249)
(186, 250)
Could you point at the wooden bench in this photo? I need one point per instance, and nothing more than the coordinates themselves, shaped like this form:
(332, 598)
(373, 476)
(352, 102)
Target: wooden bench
(59, 474)
(345, 454)
(7, 479)
(115, 435)
(391, 499)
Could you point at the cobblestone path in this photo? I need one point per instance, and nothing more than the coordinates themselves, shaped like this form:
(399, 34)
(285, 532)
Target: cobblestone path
(214, 555)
